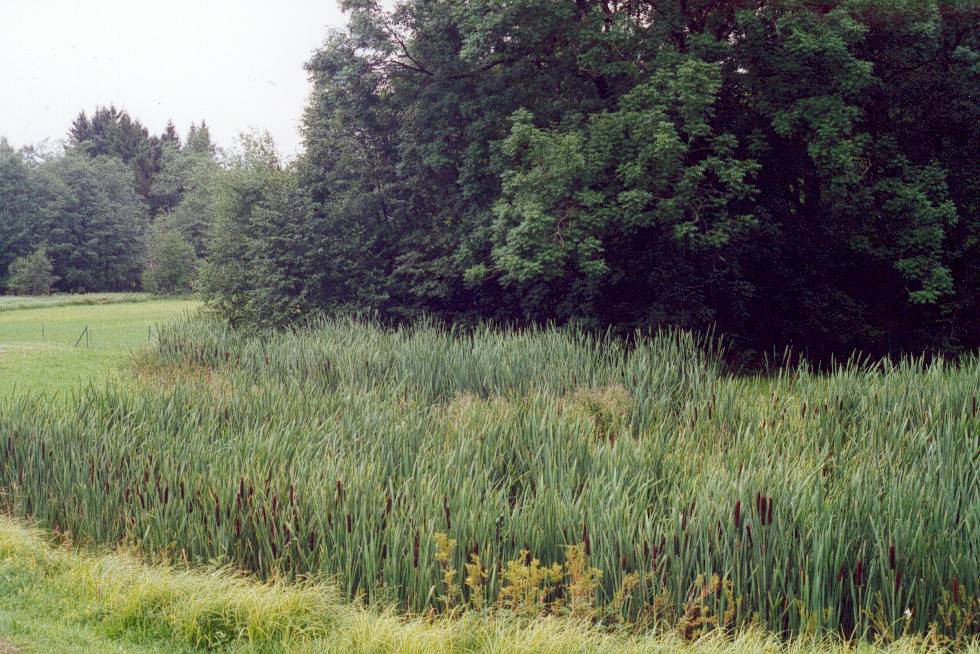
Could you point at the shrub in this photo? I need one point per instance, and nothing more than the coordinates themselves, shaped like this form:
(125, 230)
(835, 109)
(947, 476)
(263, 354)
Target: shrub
(171, 263)
(32, 275)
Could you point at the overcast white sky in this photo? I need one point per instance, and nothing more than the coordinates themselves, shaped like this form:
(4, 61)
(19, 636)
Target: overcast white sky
(238, 64)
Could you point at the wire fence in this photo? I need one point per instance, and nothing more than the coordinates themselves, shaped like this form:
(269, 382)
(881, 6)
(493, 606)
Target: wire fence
(84, 338)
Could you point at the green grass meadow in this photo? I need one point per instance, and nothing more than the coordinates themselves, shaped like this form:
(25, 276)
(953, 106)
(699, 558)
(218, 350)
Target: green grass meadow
(16, 302)
(38, 336)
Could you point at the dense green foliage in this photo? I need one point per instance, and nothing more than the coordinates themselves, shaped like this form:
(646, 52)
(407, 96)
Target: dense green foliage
(846, 502)
(796, 173)
(112, 133)
(21, 197)
(83, 210)
(254, 268)
(32, 275)
(91, 207)
(182, 188)
(170, 262)
(94, 226)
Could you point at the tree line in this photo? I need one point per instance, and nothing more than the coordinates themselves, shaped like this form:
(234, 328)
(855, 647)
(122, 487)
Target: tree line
(117, 210)
(791, 173)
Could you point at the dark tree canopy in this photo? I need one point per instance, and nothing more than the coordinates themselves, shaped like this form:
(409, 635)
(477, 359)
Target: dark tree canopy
(82, 209)
(181, 190)
(110, 132)
(19, 207)
(788, 173)
(94, 227)
(792, 173)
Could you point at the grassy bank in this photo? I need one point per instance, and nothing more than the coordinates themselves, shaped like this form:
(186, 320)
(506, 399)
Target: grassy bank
(569, 475)
(57, 601)
(38, 337)
(17, 302)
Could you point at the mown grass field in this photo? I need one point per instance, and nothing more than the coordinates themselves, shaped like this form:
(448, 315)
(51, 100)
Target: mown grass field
(542, 491)
(38, 335)
(14, 302)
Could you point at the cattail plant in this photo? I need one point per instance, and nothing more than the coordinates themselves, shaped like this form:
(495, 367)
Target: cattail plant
(339, 450)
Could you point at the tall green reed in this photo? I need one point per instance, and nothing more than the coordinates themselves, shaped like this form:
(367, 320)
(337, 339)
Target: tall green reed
(846, 501)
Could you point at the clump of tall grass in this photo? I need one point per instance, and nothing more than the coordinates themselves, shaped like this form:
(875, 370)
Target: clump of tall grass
(804, 503)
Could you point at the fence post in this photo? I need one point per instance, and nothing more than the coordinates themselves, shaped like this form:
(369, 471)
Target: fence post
(82, 335)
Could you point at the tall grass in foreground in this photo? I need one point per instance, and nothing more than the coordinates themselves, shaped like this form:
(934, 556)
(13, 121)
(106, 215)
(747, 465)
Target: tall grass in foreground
(215, 610)
(801, 503)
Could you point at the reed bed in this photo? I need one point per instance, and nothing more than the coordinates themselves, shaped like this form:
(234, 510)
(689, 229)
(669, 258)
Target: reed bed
(541, 472)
